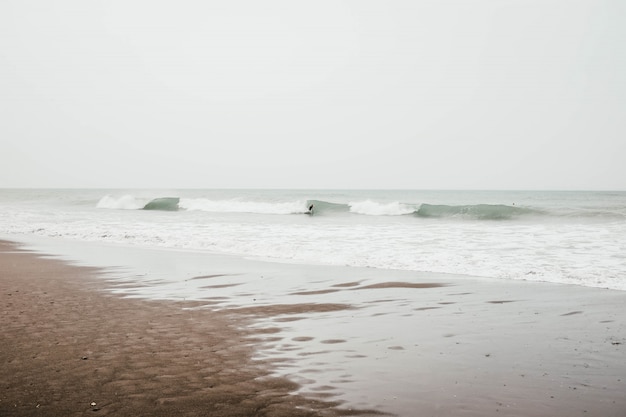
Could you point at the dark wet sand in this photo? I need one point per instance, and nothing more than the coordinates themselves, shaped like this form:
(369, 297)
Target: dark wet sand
(69, 348)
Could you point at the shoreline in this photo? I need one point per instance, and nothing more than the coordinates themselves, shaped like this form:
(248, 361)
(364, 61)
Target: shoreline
(335, 338)
(67, 344)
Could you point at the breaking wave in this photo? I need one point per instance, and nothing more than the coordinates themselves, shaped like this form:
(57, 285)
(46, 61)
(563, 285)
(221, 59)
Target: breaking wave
(475, 211)
(373, 208)
(126, 202)
(163, 204)
(129, 202)
(365, 207)
(325, 207)
(243, 206)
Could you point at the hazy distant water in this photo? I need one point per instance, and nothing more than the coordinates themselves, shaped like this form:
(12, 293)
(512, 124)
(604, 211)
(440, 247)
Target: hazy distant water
(567, 237)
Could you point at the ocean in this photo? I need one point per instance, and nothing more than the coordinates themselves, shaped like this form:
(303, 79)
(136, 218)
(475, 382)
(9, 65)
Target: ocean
(570, 237)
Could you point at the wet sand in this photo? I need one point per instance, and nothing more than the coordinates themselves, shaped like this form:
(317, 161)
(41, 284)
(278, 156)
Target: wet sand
(272, 343)
(69, 348)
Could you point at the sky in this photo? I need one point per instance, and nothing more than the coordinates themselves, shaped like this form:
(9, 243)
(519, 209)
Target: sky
(416, 94)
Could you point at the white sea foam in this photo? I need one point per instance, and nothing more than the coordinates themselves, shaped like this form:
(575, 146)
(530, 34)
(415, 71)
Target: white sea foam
(125, 202)
(374, 208)
(242, 206)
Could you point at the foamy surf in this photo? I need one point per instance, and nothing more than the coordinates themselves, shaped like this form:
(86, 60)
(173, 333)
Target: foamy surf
(243, 206)
(319, 207)
(372, 208)
(129, 202)
(573, 238)
(125, 202)
(366, 207)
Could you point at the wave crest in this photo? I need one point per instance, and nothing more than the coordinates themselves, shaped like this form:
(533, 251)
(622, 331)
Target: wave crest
(243, 206)
(126, 202)
(320, 207)
(476, 211)
(372, 208)
(163, 204)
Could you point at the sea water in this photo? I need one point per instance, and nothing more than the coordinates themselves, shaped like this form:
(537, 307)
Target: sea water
(572, 237)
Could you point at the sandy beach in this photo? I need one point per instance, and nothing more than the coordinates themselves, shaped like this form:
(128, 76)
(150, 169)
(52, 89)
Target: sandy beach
(72, 344)
(68, 348)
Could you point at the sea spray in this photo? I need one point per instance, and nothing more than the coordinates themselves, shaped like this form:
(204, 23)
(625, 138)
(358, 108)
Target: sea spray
(126, 202)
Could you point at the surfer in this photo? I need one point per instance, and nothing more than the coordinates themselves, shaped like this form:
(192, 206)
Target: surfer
(310, 209)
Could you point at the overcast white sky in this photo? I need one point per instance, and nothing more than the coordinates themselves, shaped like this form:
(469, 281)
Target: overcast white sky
(325, 94)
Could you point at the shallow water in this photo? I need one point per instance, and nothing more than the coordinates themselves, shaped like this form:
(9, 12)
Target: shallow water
(395, 341)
